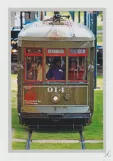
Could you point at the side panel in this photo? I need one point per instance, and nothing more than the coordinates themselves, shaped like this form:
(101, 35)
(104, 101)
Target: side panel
(92, 53)
(19, 80)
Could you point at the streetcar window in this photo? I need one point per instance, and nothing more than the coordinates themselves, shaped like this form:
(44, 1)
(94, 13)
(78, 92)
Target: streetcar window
(34, 68)
(77, 68)
(55, 68)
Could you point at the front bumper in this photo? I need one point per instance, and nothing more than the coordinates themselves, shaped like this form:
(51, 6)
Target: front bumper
(56, 109)
(33, 116)
(56, 115)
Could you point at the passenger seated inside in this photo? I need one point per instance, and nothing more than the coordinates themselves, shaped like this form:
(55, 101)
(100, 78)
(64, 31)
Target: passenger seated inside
(31, 69)
(34, 68)
(39, 70)
(56, 71)
(72, 70)
(76, 70)
(81, 71)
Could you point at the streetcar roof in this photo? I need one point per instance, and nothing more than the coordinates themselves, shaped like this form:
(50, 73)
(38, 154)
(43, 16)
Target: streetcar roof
(67, 31)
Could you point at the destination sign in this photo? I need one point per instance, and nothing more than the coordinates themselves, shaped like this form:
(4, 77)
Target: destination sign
(33, 50)
(77, 51)
(54, 51)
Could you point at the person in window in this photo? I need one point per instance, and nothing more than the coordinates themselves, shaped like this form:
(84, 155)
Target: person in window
(39, 70)
(72, 65)
(76, 70)
(81, 70)
(31, 69)
(72, 70)
(47, 64)
(56, 72)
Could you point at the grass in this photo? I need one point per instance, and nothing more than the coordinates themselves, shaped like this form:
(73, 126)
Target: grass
(100, 43)
(100, 81)
(100, 27)
(14, 82)
(100, 38)
(52, 146)
(95, 130)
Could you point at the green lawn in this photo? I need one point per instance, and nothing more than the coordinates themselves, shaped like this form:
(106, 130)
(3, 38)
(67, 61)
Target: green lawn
(100, 81)
(52, 146)
(14, 82)
(100, 38)
(100, 27)
(95, 130)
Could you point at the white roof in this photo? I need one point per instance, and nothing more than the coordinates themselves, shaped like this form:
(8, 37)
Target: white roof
(39, 31)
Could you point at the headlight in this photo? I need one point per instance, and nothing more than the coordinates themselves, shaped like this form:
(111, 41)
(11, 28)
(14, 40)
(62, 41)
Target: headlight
(55, 98)
(12, 42)
(14, 51)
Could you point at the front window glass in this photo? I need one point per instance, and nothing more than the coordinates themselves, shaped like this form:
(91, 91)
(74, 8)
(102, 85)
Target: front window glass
(55, 68)
(77, 68)
(34, 68)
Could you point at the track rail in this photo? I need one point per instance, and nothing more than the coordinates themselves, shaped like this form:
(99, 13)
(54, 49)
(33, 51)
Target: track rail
(28, 142)
(82, 140)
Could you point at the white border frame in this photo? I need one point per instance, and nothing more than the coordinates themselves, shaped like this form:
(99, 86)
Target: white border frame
(108, 77)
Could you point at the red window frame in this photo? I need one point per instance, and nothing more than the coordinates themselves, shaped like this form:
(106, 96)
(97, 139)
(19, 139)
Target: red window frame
(33, 54)
(78, 55)
(56, 54)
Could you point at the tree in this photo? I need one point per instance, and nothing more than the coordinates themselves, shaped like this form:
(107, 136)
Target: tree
(101, 15)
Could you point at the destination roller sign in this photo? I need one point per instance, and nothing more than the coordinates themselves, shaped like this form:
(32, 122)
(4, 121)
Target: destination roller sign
(33, 50)
(55, 51)
(78, 52)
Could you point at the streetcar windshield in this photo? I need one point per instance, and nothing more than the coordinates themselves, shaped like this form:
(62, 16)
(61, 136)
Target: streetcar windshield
(77, 69)
(54, 66)
(34, 68)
